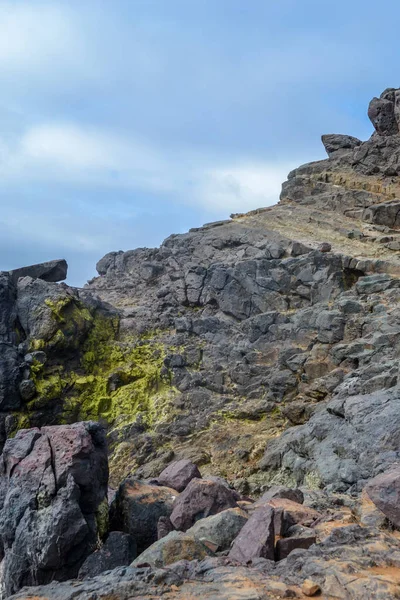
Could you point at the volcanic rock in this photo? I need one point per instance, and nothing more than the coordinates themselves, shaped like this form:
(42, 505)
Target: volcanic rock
(200, 499)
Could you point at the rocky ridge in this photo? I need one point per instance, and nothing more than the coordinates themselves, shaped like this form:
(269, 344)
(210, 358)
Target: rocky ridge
(263, 348)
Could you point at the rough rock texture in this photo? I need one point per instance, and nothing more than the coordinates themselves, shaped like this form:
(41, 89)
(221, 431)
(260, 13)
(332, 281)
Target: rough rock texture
(263, 348)
(200, 499)
(179, 474)
(173, 547)
(384, 491)
(53, 270)
(53, 491)
(138, 507)
(220, 529)
(118, 550)
(257, 538)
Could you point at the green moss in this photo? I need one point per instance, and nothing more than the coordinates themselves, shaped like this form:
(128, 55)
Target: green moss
(102, 519)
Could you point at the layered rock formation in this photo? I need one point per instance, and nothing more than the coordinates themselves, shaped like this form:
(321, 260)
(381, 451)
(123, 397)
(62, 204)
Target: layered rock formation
(263, 348)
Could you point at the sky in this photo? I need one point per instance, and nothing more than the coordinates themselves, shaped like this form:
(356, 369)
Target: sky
(124, 121)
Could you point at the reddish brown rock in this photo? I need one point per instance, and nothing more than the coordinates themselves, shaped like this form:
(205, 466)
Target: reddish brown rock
(285, 546)
(200, 499)
(384, 491)
(179, 474)
(257, 537)
(294, 513)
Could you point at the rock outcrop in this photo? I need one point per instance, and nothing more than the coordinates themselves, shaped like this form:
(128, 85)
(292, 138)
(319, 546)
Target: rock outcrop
(53, 502)
(263, 349)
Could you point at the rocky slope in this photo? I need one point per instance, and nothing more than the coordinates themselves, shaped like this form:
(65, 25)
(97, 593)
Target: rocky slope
(263, 348)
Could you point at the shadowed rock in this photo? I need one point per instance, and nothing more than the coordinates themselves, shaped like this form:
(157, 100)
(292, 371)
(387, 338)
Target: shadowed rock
(257, 537)
(53, 270)
(384, 491)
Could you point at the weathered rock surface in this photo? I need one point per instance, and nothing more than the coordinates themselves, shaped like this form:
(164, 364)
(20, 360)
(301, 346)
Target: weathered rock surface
(384, 491)
(220, 529)
(172, 548)
(137, 509)
(53, 490)
(257, 537)
(179, 474)
(118, 550)
(262, 348)
(53, 270)
(200, 499)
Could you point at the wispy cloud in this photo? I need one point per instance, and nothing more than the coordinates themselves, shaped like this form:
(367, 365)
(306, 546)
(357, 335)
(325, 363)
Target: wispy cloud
(73, 154)
(36, 35)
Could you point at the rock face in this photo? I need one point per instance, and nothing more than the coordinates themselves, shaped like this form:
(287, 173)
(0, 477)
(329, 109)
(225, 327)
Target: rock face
(263, 348)
(53, 493)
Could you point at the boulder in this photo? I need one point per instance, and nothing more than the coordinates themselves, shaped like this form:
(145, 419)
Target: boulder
(257, 537)
(171, 548)
(54, 492)
(200, 499)
(280, 491)
(138, 507)
(164, 527)
(53, 270)
(293, 513)
(179, 474)
(118, 550)
(384, 491)
(285, 546)
(220, 529)
(336, 144)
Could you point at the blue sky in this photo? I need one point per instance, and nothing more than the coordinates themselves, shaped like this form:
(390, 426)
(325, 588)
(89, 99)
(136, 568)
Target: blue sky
(124, 121)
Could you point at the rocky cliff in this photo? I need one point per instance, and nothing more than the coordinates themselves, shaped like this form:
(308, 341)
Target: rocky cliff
(263, 348)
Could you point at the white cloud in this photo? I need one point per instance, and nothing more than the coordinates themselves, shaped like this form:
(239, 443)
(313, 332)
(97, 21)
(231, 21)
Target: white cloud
(72, 154)
(36, 34)
(243, 187)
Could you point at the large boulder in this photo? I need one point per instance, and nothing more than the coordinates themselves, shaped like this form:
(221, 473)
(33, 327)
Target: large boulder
(118, 550)
(201, 499)
(138, 507)
(384, 491)
(179, 474)
(53, 502)
(336, 144)
(257, 538)
(172, 548)
(220, 529)
(53, 270)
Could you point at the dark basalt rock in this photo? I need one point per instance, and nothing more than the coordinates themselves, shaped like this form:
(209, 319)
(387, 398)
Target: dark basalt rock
(53, 270)
(53, 485)
(118, 550)
(137, 509)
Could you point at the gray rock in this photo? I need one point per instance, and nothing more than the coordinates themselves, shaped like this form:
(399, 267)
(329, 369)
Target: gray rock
(220, 529)
(200, 499)
(118, 550)
(335, 144)
(54, 483)
(172, 548)
(53, 270)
